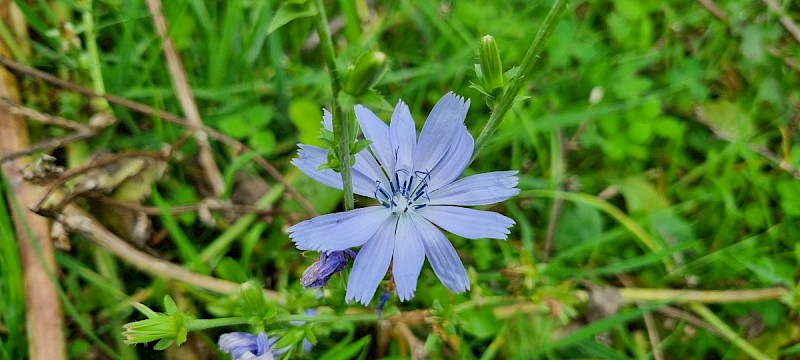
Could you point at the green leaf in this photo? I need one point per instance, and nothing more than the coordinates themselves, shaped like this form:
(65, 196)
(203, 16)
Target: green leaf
(241, 124)
(359, 145)
(726, 119)
(291, 11)
(229, 269)
(375, 102)
(291, 337)
(163, 344)
(641, 196)
(235, 165)
(480, 322)
(306, 116)
(588, 331)
(145, 310)
(263, 141)
(578, 224)
(170, 305)
(345, 351)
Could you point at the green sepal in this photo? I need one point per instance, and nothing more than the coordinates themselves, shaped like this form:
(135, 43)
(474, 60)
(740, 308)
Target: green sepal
(170, 306)
(163, 344)
(359, 145)
(365, 73)
(291, 337)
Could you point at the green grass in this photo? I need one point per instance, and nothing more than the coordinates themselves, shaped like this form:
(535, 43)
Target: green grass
(670, 179)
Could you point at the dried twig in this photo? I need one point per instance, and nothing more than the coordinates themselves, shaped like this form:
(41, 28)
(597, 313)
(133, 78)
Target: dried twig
(78, 220)
(97, 163)
(558, 202)
(43, 316)
(689, 318)
(186, 99)
(785, 20)
(773, 5)
(714, 9)
(765, 152)
(236, 145)
(48, 144)
(210, 205)
(415, 346)
(97, 124)
(649, 323)
(788, 60)
(14, 108)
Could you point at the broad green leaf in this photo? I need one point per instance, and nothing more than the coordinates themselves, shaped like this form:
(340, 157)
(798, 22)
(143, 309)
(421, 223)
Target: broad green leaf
(641, 196)
(480, 322)
(306, 115)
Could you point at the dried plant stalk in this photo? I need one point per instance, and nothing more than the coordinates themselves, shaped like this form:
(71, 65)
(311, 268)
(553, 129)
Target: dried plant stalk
(42, 306)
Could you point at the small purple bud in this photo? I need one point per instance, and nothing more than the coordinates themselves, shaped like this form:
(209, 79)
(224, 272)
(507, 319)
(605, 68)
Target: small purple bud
(329, 263)
(384, 298)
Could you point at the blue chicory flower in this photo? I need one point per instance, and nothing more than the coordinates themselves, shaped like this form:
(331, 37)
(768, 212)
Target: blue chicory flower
(246, 346)
(414, 180)
(329, 263)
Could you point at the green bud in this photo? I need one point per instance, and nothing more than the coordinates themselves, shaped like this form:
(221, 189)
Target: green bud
(366, 72)
(252, 298)
(491, 67)
(167, 328)
(333, 161)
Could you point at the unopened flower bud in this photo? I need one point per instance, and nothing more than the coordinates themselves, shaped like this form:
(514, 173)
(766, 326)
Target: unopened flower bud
(491, 66)
(366, 72)
(168, 328)
(252, 298)
(382, 302)
(329, 263)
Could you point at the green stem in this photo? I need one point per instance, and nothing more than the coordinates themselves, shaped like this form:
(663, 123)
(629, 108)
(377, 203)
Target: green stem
(726, 331)
(327, 318)
(11, 43)
(637, 230)
(526, 70)
(222, 243)
(702, 296)
(94, 59)
(341, 130)
(202, 324)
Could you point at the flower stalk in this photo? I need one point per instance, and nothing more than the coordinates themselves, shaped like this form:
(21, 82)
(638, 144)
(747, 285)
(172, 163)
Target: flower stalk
(526, 69)
(341, 130)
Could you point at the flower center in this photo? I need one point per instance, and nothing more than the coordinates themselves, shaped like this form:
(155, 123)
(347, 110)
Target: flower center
(405, 192)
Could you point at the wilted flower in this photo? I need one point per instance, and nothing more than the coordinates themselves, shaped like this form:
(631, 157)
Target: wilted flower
(329, 263)
(414, 180)
(246, 346)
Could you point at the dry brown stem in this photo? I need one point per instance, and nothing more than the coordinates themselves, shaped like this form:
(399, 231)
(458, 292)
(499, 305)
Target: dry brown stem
(43, 315)
(785, 20)
(76, 219)
(236, 145)
(186, 99)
